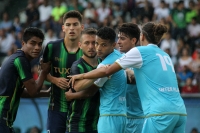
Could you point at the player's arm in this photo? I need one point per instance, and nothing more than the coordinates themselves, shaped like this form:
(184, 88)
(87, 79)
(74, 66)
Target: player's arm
(87, 93)
(23, 68)
(95, 74)
(82, 85)
(32, 86)
(42, 93)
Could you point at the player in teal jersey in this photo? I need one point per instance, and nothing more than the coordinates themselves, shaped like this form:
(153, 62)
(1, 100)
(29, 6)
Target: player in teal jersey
(156, 80)
(15, 75)
(112, 90)
(84, 110)
(128, 37)
(62, 53)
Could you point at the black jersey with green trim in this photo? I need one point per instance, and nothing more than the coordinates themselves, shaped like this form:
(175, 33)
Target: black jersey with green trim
(13, 73)
(83, 114)
(61, 62)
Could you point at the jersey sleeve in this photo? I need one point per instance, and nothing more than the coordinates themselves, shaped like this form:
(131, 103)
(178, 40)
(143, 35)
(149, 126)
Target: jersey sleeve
(75, 69)
(100, 81)
(132, 58)
(47, 52)
(23, 68)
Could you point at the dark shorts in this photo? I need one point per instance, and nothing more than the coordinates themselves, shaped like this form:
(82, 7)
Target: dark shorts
(56, 122)
(4, 128)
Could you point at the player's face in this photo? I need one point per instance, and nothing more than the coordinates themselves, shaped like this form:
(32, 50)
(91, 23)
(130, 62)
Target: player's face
(32, 48)
(72, 28)
(87, 44)
(125, 43)
(103, 47)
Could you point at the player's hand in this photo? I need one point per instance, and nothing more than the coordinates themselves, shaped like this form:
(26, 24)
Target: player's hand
(45, 67)
(68, 94)
(61, 82)
(130, 75)
(74, 78)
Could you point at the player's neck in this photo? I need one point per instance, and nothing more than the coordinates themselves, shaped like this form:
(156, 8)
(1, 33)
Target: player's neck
(91, 61)
(71, 45)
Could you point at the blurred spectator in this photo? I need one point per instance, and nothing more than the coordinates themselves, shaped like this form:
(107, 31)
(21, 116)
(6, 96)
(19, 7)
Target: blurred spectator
(196, 78)
(183, 75)
(49, 36)
(185, 59)
(6, 42)
(196, 62)
(22, 17)
(193, 30)
(147, 11)
(117, 12)
(89, 12)
(90, 23)
(32, 14)
(192, 11)
(188, 87)
(161, 12)
(58, 10)
(16, 24)
(75, 5)
(177, 18)
(103, 11)
(18, 40)
(5, 24)
(169, 43)
(45, 12)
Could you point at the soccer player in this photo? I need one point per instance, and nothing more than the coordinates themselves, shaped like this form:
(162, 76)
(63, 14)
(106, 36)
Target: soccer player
(112, 89)
(156, 80)
(15, 75)
(128, 36)
(84, 110)
(62, 53)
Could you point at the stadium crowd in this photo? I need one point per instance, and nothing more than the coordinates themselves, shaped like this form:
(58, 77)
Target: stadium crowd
(182, 42)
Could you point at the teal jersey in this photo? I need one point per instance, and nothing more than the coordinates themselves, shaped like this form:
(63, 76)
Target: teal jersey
(133, 102)
(156, 80)
(61, 62)
(113, 91)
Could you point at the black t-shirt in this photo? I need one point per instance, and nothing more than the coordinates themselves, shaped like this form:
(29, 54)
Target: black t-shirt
(13, 73)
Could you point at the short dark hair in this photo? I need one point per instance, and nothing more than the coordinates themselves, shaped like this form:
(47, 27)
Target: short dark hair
(107, 33)
(89, 31)
(131, 30)
(72, 14)
(31, 32)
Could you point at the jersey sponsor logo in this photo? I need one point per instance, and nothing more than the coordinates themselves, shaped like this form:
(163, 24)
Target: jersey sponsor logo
(121, 98)
(58, 59)
(62, 70)
(169, 89)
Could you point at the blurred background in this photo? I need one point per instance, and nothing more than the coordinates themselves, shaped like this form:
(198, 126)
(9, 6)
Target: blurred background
(181, 42)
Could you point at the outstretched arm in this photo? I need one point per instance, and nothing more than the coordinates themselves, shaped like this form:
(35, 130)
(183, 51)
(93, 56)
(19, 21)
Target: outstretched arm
(97, 73)
(89, 92)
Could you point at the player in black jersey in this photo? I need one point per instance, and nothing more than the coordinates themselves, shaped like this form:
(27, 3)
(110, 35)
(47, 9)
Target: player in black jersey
(15, 75)
(62, 53)
(84, 110)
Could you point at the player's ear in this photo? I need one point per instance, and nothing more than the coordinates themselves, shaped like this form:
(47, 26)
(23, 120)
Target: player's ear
(82, 27)
(133, 41)
(114, 44)
(79, 44)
